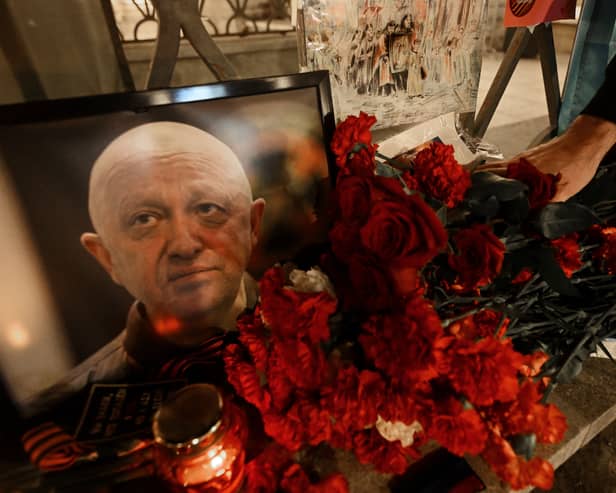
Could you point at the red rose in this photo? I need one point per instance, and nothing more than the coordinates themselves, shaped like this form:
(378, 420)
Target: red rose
(354, 130)
(484, 371)
(344, 237)
(567, 252)
(353, 194)
(407, 229)
(370, 288)
(290, 313)
(480, 256)
(405, 279)
(541, 186)
(387, 189)
(439, 175)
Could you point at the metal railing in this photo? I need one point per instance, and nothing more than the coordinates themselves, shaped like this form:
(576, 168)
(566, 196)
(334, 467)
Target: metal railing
(137, 20)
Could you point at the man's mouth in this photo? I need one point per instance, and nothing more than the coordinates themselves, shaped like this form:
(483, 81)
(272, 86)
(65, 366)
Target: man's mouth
(188, 273)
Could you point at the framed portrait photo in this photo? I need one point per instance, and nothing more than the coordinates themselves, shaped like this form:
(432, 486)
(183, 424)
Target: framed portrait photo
(277, 129)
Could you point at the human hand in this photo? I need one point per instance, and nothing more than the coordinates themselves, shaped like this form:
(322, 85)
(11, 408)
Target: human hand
(576, 155)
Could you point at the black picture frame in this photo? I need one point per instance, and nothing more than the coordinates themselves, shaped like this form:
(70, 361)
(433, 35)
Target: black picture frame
(91, 308)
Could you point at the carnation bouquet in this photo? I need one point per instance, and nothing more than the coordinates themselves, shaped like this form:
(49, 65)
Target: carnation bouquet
(445, 309)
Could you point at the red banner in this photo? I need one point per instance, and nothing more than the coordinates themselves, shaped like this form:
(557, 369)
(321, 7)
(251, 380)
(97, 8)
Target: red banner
(530, 12)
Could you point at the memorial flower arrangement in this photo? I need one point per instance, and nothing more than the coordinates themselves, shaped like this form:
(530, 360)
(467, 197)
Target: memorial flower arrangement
(446, 308)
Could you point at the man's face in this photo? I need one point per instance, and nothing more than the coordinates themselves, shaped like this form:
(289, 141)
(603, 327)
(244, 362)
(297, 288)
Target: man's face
(179, 236)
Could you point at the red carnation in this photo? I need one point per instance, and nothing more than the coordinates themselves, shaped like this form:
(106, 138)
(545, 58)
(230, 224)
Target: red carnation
(405, 346)
(252, 336)
(361, 162)
(567, 252)
(264, 471)
(280, 387)
(315, 420)
(295, 480)
(304, 365)
(354, 130)
(484, 371)
(516, 470)
(480, 256)
(336, 483)
(488, 321)
(527, 415)
(482, 324)
(407, 229)
(606, 253)
(387, 457)
(439, 174)
(551, 424)
(244, 378)
(459, 430)
(533, 363)
(541, 186)
(289, 313)
(286, 430)
(523, 276)
(354, 398)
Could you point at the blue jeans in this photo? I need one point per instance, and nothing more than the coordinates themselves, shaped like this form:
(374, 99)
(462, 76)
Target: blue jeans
(595, 45)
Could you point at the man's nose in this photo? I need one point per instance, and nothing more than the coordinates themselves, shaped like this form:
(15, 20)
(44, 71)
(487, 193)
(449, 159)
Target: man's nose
(185, 241)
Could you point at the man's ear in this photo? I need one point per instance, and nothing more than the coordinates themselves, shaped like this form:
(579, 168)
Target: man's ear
(94, 245)
(256, 218)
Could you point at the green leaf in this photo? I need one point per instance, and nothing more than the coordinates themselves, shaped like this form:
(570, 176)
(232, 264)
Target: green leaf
(524, 444)
(516, 210)
(485, 208)
(570, 370)
(485, 184)
(441, 213)
(562, 218)
(387, 171)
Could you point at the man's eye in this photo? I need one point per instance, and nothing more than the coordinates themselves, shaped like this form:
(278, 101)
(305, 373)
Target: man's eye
(209, 208)
(143, 219)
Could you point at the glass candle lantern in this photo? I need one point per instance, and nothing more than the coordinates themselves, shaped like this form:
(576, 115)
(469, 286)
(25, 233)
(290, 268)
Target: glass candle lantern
(199, 442)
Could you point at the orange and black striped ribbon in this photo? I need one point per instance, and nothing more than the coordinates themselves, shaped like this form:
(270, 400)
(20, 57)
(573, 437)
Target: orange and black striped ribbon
(207, 355)
(51, 448)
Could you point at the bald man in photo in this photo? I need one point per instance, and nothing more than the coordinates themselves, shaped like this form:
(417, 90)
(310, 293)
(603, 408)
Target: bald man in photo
(174, 224)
